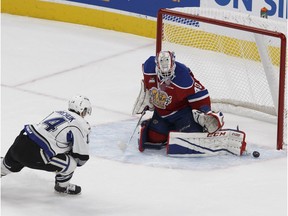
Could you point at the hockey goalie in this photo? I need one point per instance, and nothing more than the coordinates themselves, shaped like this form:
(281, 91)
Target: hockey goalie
(182, 119)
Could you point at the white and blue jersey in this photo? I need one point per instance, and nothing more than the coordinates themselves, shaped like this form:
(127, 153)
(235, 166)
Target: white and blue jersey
(62, 132)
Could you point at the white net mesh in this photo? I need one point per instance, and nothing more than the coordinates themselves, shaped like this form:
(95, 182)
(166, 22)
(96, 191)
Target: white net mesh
(239, 68)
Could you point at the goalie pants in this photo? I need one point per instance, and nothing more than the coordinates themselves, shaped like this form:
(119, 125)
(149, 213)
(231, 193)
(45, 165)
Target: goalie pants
(158, 128)
(26, 153)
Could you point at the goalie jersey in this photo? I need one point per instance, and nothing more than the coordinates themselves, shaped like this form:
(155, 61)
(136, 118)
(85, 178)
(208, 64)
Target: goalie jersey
(183, 90)
(62, 132)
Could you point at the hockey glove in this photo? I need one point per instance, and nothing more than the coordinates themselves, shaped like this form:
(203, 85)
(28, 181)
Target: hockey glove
(142, 103)
(210, 121)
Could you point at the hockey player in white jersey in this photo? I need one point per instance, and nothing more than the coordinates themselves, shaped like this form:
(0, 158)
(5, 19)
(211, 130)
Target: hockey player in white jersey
(59, 143)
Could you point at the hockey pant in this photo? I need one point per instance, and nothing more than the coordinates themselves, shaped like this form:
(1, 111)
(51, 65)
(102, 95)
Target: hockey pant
(26, 153)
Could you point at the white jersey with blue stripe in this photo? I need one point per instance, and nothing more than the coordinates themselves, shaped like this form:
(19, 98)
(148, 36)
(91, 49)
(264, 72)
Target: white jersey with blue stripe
(62, 132)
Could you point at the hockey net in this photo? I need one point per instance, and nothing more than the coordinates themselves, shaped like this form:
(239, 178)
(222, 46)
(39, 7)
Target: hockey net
(239, 58)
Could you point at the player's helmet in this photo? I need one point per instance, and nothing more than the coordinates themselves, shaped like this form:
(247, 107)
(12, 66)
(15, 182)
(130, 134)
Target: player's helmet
(165, 65)
(80, 104)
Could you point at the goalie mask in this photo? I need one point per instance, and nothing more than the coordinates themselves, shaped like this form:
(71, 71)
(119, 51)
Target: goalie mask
(165, 65)
(81, 105)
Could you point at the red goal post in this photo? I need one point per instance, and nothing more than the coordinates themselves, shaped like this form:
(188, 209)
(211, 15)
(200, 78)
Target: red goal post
(178, 22)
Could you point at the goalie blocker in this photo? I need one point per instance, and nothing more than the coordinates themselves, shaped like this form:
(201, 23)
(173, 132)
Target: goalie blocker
(222, 142)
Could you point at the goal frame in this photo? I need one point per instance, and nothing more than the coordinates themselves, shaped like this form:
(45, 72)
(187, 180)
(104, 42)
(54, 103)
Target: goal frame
(283, 44)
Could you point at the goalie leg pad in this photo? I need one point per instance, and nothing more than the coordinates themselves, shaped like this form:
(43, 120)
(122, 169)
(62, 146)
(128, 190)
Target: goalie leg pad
(149, 138)
(143, 129)
(223, 142)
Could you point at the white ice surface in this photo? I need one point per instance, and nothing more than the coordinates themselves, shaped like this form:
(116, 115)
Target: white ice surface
(44, 63)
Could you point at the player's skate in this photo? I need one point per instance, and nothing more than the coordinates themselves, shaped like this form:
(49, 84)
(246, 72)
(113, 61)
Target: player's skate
(70, 189)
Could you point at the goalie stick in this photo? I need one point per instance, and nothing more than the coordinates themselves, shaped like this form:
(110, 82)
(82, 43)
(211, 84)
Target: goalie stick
(138, 123)
(123, 146)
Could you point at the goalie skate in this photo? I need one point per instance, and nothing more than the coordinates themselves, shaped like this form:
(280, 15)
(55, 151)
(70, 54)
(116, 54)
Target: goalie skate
(70, 189)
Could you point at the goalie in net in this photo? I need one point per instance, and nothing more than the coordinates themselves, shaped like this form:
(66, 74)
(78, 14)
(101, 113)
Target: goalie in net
(182, 120)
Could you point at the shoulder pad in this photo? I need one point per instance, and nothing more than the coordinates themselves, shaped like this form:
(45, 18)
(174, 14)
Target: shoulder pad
(182, 79)
(149, 66)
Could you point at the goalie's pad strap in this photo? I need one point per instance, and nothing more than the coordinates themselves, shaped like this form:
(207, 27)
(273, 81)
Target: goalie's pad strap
(223, 142)
(157, 146)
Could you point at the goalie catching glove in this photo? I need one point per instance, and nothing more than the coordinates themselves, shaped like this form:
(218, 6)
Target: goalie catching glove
(143, 101)
(210, 121)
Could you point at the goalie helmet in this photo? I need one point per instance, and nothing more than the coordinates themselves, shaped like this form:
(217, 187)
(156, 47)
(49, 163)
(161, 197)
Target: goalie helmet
(81, 105)
(165, 65)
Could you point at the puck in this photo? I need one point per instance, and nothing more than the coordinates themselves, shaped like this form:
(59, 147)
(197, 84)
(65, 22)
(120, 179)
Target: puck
(256, 154)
